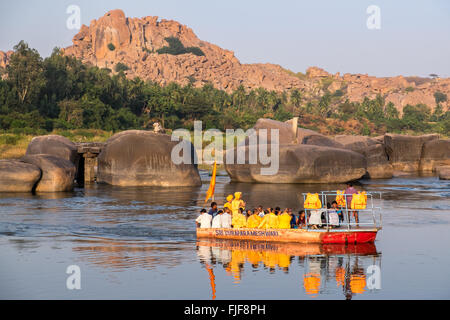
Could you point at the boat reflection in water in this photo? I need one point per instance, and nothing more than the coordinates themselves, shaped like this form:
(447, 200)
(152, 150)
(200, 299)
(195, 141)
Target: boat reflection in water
(327, 266)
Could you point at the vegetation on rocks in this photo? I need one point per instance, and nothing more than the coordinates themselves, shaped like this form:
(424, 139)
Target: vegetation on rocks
(176, 47)
(60, 94)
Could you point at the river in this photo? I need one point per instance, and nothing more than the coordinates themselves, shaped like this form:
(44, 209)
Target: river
(140, 243)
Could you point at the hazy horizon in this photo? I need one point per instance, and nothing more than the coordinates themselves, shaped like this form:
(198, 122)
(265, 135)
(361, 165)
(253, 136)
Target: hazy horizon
(412, 40)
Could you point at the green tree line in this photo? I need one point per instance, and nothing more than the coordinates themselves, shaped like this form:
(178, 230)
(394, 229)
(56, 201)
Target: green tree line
(60, 92)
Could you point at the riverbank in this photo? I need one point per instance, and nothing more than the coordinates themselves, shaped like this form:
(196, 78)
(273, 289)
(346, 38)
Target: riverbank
(14, 145)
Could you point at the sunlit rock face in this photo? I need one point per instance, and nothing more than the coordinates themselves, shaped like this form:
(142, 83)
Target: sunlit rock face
(435, 153)
(143, 158)
(57, 174)
(302, 164)
(404, 151)
(18, 176)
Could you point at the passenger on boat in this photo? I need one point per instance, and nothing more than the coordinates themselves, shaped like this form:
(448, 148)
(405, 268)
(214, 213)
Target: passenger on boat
(254, 220)
(228, 203)
(238, 220)
(350, 191)
(339, 212)
(301, 221)
(203, 220)
(293, 219)
(237, 203)
(270, 221)
(226, 219)
(217, 220)
(260, 211)
(213, 210)
(315, 220)
(277, 211)
(284, 220)
(333, 218)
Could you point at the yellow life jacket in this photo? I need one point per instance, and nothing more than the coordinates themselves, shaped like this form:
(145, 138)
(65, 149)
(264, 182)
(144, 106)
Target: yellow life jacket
(359, 201)
(312, 201)
(340, 199)
(284, 221)
(253, 221)
(239, 221)
(270, 221)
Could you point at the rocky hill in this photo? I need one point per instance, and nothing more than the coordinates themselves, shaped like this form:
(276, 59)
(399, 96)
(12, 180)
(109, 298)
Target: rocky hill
(134, 42)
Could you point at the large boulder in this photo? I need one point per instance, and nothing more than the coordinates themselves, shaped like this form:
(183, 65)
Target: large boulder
(54, 145)
(356, 143)
(443, 172)
(143, 158)
(287, 136)
(57, 174)
(435, 153)
(302, 164)
(405, 152)
(285, 132)
(378, 166)
(18, 176)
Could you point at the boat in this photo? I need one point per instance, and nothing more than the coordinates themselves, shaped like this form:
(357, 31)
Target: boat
(346, 233)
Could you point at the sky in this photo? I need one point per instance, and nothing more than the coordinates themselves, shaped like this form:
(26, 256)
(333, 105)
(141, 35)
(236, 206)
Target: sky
(413, 38)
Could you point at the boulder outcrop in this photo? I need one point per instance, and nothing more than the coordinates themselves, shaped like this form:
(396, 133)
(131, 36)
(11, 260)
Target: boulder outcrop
(443, 172)
(57, 174)
(378, 166)
(405, 152)
(287, 135)
(143, 158)
(356, 143)
(302, 164)
(54, 145)
(18, 176)
(435, 153)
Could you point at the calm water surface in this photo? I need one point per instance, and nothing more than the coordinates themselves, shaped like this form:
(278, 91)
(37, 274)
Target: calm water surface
(140, 243)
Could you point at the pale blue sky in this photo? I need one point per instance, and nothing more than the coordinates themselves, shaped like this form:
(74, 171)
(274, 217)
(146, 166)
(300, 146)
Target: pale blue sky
(414, 38)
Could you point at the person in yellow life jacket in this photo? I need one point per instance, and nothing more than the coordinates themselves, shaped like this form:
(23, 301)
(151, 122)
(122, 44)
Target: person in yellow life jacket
(239, 220)
(228, 203)
(270, 221)
(237, 203)
(284, 220)
(254, 220)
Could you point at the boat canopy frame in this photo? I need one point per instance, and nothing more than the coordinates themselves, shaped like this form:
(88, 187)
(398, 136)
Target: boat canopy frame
(377, 218)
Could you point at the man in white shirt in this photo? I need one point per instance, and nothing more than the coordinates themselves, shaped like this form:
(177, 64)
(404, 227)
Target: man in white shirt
(226, 219)
(261, 211)
(203, 220)
(217, 220)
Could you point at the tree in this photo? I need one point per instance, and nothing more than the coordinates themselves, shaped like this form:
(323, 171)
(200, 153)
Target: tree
(390, 111)
(416, 117)
(25, 73)
(296, 97)
(121, 67)
(440, 97)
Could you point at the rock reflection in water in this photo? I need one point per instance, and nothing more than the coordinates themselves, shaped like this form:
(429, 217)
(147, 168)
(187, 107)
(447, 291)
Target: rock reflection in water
(342, 265)
(121, 255)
